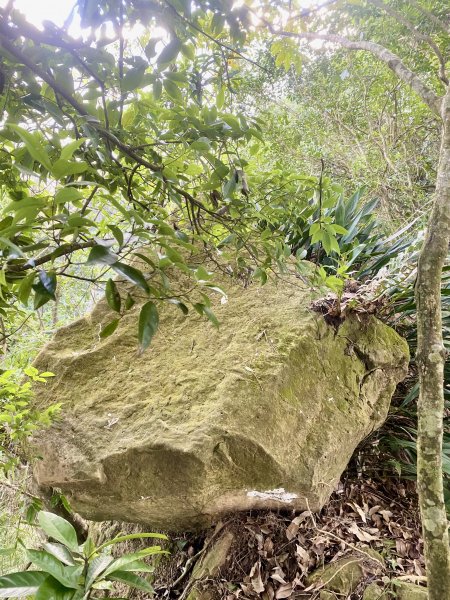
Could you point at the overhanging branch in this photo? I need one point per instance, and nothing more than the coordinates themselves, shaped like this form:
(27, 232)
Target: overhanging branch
(394, 62)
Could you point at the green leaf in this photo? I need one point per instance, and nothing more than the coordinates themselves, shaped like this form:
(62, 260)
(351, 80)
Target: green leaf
(59, 529)
(173, 90)
(169, 53)
(109, 329)
(129, 301)
(133, 79)
(132, 274)
(68, 194)
(211, 316)
(202, 144)
(59, 550)
(101, 254)
(148, 324)
(121, 564)
(48, 280)
(51, 589)
(157, 89)
(132, 580)
(132, 536)
(25, 288)
(112, 295)
(63, 168)
(69, 149)
(34, 145)
(230, 187)
(220, 99)
(66, 575)
(117, 233)
(21, 584)
(96, 567)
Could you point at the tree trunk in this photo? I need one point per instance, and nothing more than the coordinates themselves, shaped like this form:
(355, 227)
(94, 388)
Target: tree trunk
(430, 360)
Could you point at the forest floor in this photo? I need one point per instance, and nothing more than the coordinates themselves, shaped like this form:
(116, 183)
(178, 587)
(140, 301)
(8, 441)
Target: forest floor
(273, 554)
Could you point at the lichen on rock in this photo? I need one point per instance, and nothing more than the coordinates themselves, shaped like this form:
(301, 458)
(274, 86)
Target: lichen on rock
(208, 421)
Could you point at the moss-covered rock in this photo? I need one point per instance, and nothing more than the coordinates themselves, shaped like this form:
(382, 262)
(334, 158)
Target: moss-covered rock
(342, 576)
(263, 413)
(215, 558)
(375, 592)
(408, 591)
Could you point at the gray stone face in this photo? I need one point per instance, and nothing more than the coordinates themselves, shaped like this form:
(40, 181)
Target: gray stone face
(263, 413)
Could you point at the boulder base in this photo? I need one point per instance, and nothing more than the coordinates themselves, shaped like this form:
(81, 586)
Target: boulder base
(263, 413)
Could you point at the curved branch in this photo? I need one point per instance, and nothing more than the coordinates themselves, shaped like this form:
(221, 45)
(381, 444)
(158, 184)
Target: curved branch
(394, 62)
(51, 81)
(63, 250)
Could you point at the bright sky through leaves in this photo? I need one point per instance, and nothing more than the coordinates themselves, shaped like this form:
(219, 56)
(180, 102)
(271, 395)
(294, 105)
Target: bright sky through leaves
(37, 11)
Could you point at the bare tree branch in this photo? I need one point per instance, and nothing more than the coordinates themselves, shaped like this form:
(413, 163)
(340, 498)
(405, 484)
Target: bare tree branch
(394, 62)
(63, 250)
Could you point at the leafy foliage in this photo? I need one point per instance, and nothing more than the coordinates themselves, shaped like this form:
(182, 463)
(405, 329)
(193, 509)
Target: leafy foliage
(69, 571)
(18, 419)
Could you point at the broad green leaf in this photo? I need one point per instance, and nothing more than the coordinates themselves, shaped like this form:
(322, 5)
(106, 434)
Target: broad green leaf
(34, 145)
(59, 550)
(173, 90)
(132, 274)
(112, 295)
(59, 529)
(68, 194)
(101, 254)
(140, 566)
(169, 53)
(129, 301)
(63, 168)
(148, 324)
(19, 585)
(66, 575)
(132, 580)
(133, 79)
(69, 149)
(220, 99)
(230, 187)
(96, 568)
(157, 89)
(202, 144)
(41, 296)
(51, 589)
(25, 288)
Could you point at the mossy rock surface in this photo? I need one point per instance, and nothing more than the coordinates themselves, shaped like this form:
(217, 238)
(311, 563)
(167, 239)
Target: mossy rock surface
(263, 413)
(375, 592)
(342, 576)
(408, 591)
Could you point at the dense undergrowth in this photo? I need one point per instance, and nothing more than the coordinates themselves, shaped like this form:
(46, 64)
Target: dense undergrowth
(385, 266)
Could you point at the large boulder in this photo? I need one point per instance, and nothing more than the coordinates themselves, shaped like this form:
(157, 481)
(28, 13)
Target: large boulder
(263, 413)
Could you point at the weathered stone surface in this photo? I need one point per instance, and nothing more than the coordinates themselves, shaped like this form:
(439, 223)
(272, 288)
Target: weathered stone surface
(375, 592)
(342, 576)
(408, 591)
(263, 413)
(215, 558)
